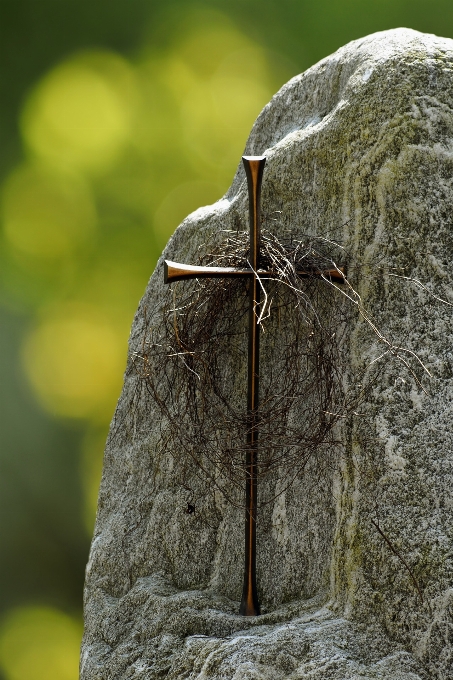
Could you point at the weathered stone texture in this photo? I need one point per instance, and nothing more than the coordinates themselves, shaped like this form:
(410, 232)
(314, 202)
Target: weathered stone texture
(363, 139)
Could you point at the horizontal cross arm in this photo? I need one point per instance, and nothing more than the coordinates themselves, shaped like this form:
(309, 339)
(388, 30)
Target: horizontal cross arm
(173, 271)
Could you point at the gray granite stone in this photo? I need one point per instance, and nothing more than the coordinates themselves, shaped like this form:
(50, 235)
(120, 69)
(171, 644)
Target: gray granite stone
(355, 563)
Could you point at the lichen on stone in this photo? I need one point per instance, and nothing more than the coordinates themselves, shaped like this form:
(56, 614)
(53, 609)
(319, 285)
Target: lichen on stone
(355, 560)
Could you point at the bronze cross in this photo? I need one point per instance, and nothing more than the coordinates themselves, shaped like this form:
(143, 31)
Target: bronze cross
(254, 166)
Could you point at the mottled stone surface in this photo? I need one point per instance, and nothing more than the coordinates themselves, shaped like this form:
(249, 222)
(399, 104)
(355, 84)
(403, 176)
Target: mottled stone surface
(355, 561)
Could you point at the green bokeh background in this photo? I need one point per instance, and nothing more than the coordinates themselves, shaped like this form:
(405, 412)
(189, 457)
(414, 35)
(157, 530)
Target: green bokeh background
(116, 120)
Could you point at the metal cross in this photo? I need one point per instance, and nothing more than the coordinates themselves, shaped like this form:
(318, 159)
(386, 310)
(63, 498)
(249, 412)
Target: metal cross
(254, 166)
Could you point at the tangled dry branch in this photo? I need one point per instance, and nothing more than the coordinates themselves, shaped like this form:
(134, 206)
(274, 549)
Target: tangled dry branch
(193, 357)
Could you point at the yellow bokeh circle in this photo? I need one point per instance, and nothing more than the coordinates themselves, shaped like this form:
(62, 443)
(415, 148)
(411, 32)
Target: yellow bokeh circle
(240, 88)
(39, 643)
(81, 113)
(204, 46)
(46, 214)
(217, 112)
(180, 202)
(75, 360)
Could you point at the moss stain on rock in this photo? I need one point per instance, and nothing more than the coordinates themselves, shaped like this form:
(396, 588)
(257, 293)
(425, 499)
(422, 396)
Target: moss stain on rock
(359, 148)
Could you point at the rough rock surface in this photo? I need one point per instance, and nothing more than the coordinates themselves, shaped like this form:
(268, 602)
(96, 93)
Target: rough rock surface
(355, 573)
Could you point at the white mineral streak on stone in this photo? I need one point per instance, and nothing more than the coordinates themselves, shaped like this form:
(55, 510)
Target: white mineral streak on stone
(280, 531)
(363, 139)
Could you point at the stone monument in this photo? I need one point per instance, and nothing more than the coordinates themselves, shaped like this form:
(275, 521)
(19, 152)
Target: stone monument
(355, 566)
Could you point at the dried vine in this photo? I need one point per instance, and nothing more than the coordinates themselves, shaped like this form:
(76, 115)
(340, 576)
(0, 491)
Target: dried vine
(193, 357)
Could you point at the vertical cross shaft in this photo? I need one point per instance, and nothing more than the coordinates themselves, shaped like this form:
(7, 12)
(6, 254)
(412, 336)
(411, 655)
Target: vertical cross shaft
(254, 167)
(173, 271)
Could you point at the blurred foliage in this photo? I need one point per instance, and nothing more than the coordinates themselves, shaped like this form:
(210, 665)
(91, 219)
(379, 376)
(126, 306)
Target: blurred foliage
(117, 120)
(51, 649)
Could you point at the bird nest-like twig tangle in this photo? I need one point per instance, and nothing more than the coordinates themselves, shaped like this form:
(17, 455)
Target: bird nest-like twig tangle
(192, 362)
